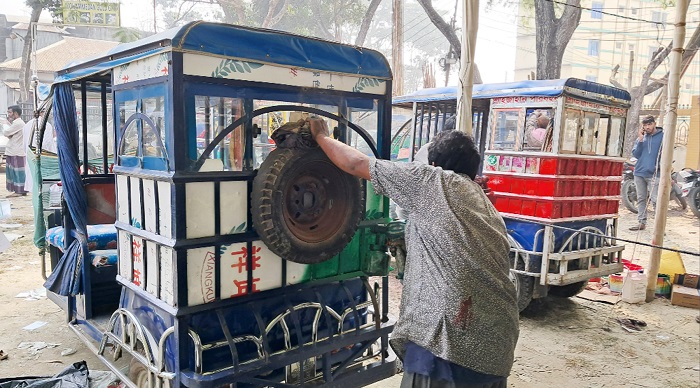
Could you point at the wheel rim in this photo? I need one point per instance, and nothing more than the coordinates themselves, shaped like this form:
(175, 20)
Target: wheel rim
(316, 203)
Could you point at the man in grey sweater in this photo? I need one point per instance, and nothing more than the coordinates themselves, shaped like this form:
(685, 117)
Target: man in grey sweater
(647, 149)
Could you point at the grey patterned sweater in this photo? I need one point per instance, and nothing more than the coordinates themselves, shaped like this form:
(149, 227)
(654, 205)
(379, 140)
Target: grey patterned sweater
(457, 301)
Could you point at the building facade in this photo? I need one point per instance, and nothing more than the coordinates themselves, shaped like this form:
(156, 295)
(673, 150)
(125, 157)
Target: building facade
(612, 33)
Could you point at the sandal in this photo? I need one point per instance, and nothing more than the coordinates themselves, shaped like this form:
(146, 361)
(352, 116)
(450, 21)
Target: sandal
(3, 355)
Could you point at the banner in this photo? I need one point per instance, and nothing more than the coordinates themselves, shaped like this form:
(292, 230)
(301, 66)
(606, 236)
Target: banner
(91, 13)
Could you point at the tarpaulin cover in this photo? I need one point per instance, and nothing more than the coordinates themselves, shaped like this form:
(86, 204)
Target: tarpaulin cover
(551, 88)
(74, 376)
(255, 44)
(66, 277)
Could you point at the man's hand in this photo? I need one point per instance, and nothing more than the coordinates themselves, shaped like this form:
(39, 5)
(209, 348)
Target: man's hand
(318, 127)
(641, 134)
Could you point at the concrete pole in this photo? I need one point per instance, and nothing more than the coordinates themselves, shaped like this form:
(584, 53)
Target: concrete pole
(667, 151)
(470, 27)
(397, 47)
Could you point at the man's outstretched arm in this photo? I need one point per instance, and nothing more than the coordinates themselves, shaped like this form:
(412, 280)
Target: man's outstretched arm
(342, 155)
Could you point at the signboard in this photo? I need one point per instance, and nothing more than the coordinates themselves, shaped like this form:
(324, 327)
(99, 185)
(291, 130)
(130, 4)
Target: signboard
(91, 13)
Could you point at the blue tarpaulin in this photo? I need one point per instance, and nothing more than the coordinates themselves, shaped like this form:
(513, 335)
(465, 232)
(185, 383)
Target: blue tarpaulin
(66, 276)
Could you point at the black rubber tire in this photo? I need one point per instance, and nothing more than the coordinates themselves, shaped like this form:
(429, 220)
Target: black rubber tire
(304, 208)
(694, 199)
(568, 290)
(524, 284)
(628, 198)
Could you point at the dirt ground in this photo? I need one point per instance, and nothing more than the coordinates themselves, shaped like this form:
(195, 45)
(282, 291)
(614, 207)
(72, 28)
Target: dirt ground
(563, 342)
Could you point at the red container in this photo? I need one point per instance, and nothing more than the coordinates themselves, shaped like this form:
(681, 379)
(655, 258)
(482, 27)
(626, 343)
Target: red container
(614, 187)
(570, 166)
(602, 188)
(568, 188)
(517, 185)
(602, 206)
(577, 188)
(616, 169)
(587, 188)
(531, 186)
(586, 209)
(606, 168)
(612, 207)
(576, 208)
(556, 210)
(545, 187)
(501, 204)
(598, 168)
(499, 183)
(566, 209)
(581, 166)
(528, 207)
(543, 209)
(515, 205)
(562, 166)
(548, 166)
(559, 189)
(595, 188)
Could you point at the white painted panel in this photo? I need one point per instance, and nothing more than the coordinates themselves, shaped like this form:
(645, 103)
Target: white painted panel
(167, 282)
(165, 209)
(152, 273)
(201, 272)
(234, 207)
(267, 268)
(122, 199)
(234, 273)
(149, 205)
(298, 273)
(124, 250)
(199, 203)
(145, 68)
(136, 219)
(139, 272)
(207, 66)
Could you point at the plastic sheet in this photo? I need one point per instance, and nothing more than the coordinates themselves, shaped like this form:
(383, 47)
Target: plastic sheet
(75, 376)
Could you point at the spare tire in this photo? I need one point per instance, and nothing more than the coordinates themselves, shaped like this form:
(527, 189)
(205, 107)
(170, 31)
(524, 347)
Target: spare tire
(304, 208)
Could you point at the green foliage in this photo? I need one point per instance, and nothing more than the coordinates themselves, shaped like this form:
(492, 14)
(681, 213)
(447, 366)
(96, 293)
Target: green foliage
(228, 66)
(126, 35)
(55, 7)
(364, 82)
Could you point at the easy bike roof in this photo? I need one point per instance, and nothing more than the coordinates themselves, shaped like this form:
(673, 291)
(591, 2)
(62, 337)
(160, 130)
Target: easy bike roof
(250, 44)
(549, 88)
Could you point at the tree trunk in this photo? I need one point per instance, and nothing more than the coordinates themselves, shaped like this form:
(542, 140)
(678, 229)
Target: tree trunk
(366, 22)
(553, 35)
(25, 68)
(275, 12)
(234, 11)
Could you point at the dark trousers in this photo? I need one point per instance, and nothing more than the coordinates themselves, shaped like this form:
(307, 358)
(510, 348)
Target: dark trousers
(412, 380)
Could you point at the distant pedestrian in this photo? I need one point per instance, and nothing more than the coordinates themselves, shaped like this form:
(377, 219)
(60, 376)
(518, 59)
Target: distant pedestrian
(647, 150)
(14, 152)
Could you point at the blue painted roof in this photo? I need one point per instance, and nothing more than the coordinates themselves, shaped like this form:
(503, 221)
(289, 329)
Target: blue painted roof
(551, 88)
(255, 44)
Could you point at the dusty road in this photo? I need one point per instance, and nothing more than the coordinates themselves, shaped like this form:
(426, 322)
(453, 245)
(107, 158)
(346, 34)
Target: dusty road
(563, 342)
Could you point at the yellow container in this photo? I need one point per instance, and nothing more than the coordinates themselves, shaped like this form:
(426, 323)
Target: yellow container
(671, 264)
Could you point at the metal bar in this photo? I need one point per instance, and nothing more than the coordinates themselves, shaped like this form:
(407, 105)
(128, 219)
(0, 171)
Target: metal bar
(229, 340)
(546, 248)
(105, 148)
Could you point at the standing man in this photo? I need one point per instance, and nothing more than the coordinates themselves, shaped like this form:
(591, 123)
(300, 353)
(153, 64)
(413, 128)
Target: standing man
(14, 152)
(458, 322)
(647, 149)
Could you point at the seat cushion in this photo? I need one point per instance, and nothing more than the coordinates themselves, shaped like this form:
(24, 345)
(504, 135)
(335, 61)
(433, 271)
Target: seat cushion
(103, 257)
(103, 236)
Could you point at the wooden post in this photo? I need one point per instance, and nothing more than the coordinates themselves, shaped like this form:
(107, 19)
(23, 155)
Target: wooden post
(667, 151)
(397, 48)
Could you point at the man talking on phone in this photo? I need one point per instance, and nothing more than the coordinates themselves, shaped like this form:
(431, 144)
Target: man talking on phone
(647, 149)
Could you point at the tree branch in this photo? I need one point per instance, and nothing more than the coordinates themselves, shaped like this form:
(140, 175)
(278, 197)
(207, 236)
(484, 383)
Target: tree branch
(442, 26)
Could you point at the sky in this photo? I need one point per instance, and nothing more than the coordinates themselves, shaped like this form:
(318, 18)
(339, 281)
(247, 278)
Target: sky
(495, 47)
